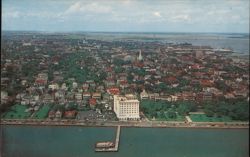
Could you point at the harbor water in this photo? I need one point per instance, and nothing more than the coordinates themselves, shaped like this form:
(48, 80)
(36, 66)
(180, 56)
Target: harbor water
(55, 141)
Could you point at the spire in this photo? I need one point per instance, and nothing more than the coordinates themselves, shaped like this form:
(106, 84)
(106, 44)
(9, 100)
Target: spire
(140, 56)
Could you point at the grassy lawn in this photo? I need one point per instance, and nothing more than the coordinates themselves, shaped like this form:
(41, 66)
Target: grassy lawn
(17, 112)
(42, 112)
(166, 118)
(204, 118)
(161, 110)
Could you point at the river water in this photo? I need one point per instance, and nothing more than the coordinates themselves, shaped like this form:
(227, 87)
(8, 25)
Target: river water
(52, 141)
(239, 43)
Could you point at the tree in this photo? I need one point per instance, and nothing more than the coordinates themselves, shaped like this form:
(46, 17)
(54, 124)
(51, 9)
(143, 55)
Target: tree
(209, 109)
(119, 69)
(222, 108)
(130, 78)
(102, 76)
(161, 87)
(118, 62)
(171, 114)
(185, 107)
(241, 111)
(72, 106)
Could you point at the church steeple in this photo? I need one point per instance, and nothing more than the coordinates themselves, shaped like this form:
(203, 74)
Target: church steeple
(140, 56)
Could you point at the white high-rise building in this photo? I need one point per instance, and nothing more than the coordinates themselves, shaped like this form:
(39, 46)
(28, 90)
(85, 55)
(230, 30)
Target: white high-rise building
(126, 107)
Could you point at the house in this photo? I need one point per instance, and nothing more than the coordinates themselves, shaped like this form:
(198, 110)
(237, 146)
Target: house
(92, 103)
(58, 114)
(86, 95)
(59, 94)
(206, 83)
(4, 97)
(153, 95)
(171, 80)
(78, 96)
(24, 82)
(92, 84)
(123, 84)
(143, 95)
(109, 82)
(113, 91)
(42, 79)
(100, 88)
(174, 97)
(26, 100)
(69, 96)
(85, 86)
(48, 98)
(240, 93)
(4, 94)
(96, 95)
(74, 85)
(51, 114)
(207, 96)
(216, 92)
(53, 86)
(64, 86)
(229, 96)
(40, 82)
(106, 96)
(188, 95)
(70, 114)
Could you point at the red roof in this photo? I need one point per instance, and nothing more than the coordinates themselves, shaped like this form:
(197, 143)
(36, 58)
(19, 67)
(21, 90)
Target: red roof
(171, 79)
(198, 74)
(206, 83)
(195, 66)
(113, 90)
(123, 82)
(139, 64)
(40, 81)
(92, 101)
(70, 113)
(51, 112)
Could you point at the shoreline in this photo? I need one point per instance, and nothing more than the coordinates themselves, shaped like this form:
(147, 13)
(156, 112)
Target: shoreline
(151, 124)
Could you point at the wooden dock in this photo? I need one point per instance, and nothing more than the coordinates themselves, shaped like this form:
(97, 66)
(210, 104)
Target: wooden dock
(115, 148)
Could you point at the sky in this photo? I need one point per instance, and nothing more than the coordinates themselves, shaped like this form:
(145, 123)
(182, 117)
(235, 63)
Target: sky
(226, 16)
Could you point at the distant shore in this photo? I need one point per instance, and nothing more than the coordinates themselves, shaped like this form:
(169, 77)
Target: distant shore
(142, 124)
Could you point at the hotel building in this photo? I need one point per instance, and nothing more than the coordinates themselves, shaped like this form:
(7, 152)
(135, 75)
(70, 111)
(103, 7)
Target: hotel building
(126, 107)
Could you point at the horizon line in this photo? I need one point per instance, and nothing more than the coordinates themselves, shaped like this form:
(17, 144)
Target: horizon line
(86, 31)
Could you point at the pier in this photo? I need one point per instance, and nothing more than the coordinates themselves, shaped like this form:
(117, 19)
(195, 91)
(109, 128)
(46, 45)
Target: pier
(116, 143)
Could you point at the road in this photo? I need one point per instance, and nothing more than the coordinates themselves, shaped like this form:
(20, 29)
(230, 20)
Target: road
(127, 123)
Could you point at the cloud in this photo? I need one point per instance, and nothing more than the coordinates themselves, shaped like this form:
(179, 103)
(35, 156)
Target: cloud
(12, 14)
(134, 14)
(94, 7)
(76, 7)
(179, 18)
(157, 14)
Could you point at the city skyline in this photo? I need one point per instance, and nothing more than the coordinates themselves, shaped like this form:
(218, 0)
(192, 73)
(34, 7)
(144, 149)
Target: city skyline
(226, 16)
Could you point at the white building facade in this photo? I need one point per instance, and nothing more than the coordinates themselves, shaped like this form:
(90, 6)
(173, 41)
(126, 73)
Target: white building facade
(126, 107)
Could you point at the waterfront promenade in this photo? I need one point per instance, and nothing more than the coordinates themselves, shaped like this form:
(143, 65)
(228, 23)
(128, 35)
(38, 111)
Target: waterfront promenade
(126, 123)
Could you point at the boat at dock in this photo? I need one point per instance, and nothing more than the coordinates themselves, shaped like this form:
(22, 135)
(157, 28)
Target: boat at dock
(107, 144)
